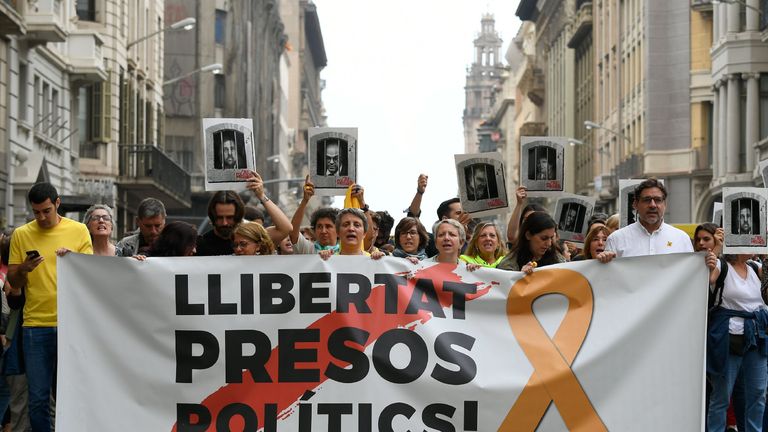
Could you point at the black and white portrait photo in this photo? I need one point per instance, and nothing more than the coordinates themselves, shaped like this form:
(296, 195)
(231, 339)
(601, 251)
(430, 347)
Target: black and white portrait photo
(572, 213)
(543, 166)
(482, 189)
(480, 182)
(229, 149)
(229, 153)
(541, 163)
(744, 216)
(332, 159)
(627, 213)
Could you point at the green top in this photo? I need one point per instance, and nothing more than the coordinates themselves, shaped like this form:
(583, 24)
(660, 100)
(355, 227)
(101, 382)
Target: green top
(480, 261)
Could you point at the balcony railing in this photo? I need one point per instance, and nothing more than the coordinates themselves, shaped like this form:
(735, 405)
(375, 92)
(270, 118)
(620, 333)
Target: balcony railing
(146, 163)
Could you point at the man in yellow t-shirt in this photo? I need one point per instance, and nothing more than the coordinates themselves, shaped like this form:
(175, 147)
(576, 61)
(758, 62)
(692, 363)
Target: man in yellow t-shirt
(32, 272)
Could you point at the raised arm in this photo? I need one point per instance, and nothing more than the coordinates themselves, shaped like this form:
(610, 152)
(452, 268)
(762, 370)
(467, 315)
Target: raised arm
(521, 197)
(282, 226)
(309, 191)
(414, 209)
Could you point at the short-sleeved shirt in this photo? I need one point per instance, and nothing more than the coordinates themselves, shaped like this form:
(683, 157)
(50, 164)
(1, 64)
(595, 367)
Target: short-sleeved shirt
(635, 240)
(40, 306)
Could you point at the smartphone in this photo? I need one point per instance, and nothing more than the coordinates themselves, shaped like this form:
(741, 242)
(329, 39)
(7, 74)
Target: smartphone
(33, 254)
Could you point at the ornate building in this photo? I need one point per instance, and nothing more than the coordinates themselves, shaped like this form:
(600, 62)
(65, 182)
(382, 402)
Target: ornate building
(740, 101)
(74, 88)
(482, 77)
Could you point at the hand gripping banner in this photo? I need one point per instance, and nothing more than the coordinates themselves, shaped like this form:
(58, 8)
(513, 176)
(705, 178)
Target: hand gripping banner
(553, 380)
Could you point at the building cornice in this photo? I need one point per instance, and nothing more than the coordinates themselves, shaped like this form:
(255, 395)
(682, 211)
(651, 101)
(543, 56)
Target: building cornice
(526, 10)
(314, 36)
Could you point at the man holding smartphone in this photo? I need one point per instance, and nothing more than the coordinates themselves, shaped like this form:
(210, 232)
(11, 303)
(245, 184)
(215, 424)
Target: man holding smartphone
(32, 272)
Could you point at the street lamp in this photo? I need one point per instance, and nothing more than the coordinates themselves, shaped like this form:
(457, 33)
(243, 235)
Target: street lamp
(186, 24)
(575, 142)
(592, 125)
(214, 67)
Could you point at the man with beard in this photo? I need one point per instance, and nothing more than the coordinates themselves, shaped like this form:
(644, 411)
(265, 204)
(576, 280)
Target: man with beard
(229, 154)
(745, 221)
(225, 211)
(649, 235)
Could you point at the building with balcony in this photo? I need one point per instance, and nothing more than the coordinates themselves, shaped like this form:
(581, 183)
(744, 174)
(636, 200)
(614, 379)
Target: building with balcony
(482, 77)
(528, 80)
(702, 109)
(47, 56)
(641, 104)
(303, 60)
(582, 44)
(739, 77)
(81, 106)
(119, 115)
(498, 132)
(248, 39)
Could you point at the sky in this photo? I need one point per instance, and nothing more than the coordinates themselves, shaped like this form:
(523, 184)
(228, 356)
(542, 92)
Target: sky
(396, 71)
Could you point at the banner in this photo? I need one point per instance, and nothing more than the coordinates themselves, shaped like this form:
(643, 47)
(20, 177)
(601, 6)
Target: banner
(294, 343)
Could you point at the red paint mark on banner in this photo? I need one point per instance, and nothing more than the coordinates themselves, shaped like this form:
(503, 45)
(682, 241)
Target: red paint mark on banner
(257, 395)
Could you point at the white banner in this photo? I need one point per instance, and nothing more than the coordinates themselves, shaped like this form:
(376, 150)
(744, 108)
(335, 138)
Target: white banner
(351, 344)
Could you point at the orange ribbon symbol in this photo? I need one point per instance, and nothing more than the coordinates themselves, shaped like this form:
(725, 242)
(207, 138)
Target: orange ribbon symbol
(552, 379)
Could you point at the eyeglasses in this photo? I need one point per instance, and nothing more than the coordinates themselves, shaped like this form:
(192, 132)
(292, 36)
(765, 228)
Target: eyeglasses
(244, 244)
(105, 218)
(412, 233)
(648, 199)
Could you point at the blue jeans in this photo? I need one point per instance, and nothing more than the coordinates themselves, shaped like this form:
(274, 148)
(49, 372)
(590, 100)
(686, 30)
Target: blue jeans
(40, 359)
(753, 366)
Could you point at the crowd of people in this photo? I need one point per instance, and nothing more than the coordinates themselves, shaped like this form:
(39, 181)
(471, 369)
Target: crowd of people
(737, 350)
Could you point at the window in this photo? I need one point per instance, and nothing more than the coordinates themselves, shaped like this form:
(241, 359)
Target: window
(95, 117)
(22, 91)
(221, 21)
(42, 126)
(86, 10)
(36, 102)
(160, 126)
(219, 91)
(88, 148)
(150, 122)
(179, 149)
(55, 120)
(140, 121)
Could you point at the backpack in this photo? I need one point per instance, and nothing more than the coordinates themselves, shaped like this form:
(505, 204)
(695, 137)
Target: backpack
(716, 297)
